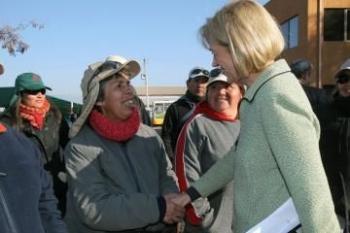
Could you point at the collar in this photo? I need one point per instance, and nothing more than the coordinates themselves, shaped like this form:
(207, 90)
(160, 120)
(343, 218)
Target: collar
(277, 68)
(191, 97)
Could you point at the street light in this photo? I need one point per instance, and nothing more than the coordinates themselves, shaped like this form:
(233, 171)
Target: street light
(144, 77)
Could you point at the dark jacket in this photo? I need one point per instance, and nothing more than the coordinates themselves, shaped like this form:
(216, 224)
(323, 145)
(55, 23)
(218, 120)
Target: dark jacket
(27, 203)
(143, 111)
(335, 147)
(51, 140)
(320, 103)
(175, 117)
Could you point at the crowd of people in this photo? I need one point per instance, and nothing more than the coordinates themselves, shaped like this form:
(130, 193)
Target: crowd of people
(251, 146)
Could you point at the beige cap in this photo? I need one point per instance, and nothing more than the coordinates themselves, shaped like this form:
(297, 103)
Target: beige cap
(90, 84)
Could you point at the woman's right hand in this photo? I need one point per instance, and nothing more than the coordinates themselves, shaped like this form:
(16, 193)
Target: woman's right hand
(174, 212)
(181, 199)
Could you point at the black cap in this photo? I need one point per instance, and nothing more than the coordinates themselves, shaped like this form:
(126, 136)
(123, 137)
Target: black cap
(300, 66)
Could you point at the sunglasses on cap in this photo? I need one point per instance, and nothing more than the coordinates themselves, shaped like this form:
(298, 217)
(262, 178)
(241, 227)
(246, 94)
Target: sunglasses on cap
(343, 79)
(34, 92)
(215, 72)
(108, 65)
(198, 72)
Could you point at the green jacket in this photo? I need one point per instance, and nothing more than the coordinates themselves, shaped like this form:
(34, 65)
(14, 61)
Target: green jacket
(277, 156)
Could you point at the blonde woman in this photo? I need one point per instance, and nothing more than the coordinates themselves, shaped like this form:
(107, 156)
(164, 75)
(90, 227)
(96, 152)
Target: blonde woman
(278, 174)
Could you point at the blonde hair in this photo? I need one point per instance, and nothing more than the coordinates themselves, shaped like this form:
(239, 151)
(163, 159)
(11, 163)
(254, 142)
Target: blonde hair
(248, 31)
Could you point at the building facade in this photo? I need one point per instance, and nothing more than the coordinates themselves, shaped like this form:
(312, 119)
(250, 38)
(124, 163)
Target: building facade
(317, 30)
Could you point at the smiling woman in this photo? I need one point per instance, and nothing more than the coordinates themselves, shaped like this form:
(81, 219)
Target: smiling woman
(205, 138)
(118, 172)
(115, 99)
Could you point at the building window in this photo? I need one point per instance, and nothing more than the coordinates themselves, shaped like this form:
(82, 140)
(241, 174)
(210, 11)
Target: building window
(336, 24)
(290, 30)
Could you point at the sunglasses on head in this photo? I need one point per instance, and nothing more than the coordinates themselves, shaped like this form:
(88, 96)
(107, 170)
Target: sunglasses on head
(108, 65)
(343, 79)
(34, 92)
(196, 72)
(215, 72)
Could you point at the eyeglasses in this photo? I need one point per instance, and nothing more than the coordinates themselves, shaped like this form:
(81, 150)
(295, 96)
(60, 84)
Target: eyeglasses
(34, 92)
(215, 72)
(343, 79)
(199, 72)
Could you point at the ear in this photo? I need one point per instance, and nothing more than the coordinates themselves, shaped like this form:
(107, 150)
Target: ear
(99, 103)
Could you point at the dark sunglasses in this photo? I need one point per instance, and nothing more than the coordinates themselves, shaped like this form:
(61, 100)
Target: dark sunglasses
(343, 79)
(34, 92)
(215, 72)
(196, 72)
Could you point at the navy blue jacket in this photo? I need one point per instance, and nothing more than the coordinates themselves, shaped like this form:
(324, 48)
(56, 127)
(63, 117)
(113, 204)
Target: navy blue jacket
(27, 203)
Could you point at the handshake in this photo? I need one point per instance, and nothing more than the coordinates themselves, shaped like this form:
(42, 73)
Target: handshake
(175, 207)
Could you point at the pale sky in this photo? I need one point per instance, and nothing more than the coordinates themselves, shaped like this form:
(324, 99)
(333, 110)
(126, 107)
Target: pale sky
(77, 33)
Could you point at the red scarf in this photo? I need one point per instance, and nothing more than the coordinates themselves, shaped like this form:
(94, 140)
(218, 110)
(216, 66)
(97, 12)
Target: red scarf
(3, 128)
(205, 109)
(35, 116)
(119, 131)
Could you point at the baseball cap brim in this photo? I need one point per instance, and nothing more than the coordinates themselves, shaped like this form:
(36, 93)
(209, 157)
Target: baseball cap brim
(220, 78)
(199, 76)
(345, 66)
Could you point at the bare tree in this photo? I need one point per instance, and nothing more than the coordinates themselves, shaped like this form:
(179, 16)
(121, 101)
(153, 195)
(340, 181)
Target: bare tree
(11, 39)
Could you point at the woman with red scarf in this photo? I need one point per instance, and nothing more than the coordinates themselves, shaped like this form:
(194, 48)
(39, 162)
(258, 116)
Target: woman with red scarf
(32, 113)
(119, 177)
(206, 137)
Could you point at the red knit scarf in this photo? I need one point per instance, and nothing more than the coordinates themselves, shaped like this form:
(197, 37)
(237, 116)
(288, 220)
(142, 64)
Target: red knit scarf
(35, 116)
(119, 131)
(204, 108)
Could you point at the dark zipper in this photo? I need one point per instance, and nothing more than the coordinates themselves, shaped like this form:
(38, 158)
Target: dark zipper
(9, 219)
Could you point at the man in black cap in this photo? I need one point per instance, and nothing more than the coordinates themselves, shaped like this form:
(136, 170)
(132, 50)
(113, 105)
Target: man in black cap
(179, 111)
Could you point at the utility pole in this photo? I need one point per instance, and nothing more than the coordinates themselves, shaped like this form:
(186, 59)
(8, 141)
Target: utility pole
(320, 17)
(144, 77)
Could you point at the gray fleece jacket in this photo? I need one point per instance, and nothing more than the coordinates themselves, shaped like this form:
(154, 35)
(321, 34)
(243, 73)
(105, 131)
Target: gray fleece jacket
(204, 141)
(114, 187)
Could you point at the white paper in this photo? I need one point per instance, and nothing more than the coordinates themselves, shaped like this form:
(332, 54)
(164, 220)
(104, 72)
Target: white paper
(282, 220)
